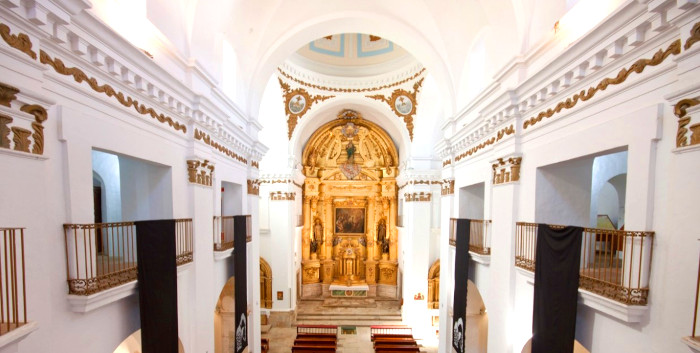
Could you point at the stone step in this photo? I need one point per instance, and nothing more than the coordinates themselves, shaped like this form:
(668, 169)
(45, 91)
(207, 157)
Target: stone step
(349, 317)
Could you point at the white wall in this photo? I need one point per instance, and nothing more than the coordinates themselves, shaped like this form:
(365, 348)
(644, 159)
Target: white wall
(471, 201)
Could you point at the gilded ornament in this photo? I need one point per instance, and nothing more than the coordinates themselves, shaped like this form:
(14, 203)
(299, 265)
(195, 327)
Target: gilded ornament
(403, 103)
(204, 137)
(5, 131)
(80, 76)
(7, 94)
(20, 41)
(297, 102)
(200, 172)
(448, 187)
(638, 67)
(694, 36)
(253, 187)
(40, 116)
(506, 170)
(418, 197)
(350, 90)
(282, 196)
(499, 135)
(21, 138)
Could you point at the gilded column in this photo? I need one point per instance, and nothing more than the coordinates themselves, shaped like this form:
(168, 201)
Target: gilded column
(390, 205)
(328, 230)
(305, 230)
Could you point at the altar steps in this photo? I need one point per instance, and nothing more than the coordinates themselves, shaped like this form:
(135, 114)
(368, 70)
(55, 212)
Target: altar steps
(349, 312)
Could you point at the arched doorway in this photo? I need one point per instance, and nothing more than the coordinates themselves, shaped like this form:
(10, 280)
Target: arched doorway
(477, 327)
(132, 344)
(434, 286)
(578, 347)
(224, 319)
(265, 284)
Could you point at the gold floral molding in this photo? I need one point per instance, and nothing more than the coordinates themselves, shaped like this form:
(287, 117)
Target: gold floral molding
(506, 170)
(282, 196)
(446, 163)
(403, 103)
(639, 66)
(204, 137)
(694, 36)
(296, 103)
(253, 187)
(500, 135)
(20, 136)
(448, 187)
(418, 196)
(200, 172)
(79, 76)
(7, 94)
(280, 181)
(255, 164)
(420, 182)
(19, 41)
(350, 90)
(680, 110)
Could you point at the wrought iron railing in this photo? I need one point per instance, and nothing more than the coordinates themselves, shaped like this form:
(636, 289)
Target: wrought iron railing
(184, 241)
(13, 291)
(614, 263)
(479, 236)
(100, 256)
(223, 233)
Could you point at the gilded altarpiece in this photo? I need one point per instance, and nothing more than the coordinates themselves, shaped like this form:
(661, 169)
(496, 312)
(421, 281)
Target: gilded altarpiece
(349, 237)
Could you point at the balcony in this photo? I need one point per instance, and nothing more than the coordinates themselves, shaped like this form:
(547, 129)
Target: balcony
(479, 240)
(102, 256)
(615, 264)
(13, 292)
(223, 233)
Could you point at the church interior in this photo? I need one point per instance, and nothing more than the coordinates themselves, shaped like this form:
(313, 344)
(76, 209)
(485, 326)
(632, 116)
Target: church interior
(349, 176)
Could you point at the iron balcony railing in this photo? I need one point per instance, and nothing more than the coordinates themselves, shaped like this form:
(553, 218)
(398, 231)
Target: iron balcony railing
(223, 233)
(13, 290)
(614, 263)
(100, 256)
(479, 236)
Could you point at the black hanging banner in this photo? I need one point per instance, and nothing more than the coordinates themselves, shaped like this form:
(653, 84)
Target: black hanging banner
(557, 262)
(460, 227)
(240, 233)
(157, 280)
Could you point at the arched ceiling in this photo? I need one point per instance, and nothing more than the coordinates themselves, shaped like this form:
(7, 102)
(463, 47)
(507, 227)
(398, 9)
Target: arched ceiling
(351, 55)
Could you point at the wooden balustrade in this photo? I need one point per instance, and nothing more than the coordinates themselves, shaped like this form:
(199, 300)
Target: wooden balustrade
(13, 291)
(479, 236)
(100, 256)
(223, 233)
(614, 263)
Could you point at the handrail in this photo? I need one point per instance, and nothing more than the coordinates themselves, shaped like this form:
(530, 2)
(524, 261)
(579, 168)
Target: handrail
(100, 256)
(479, 236)
(13, 290)
(223, 233)
(614, 263)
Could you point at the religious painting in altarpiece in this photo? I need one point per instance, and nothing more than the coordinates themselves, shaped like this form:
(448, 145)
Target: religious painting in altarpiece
(350, 197)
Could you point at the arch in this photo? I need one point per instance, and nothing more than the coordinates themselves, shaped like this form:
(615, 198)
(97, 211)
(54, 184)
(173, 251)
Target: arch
(265, 284)
(132, 344)
(477, 325)
(224, 318)
(434, 285)
(578, 347)
(421, 45)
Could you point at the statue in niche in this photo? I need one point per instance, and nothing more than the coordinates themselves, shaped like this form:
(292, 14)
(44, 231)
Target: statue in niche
(350, 149)
(317, 237)
(381, 236)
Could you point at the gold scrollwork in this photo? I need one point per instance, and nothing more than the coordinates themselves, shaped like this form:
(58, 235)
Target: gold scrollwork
(255, 164)
(200, 172)
(500, 135)
(418, 197)
(448, 187)
(446, 163)
(296, 103)
(19, 41)
(253, 187)
(7, 94)
(401, 99)
(638, 67)
(350, 90)
(80, 76)
(282, 196)
(506, 170)
(40, 116)
(680, 110)
(694, 36)
(204, 137)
